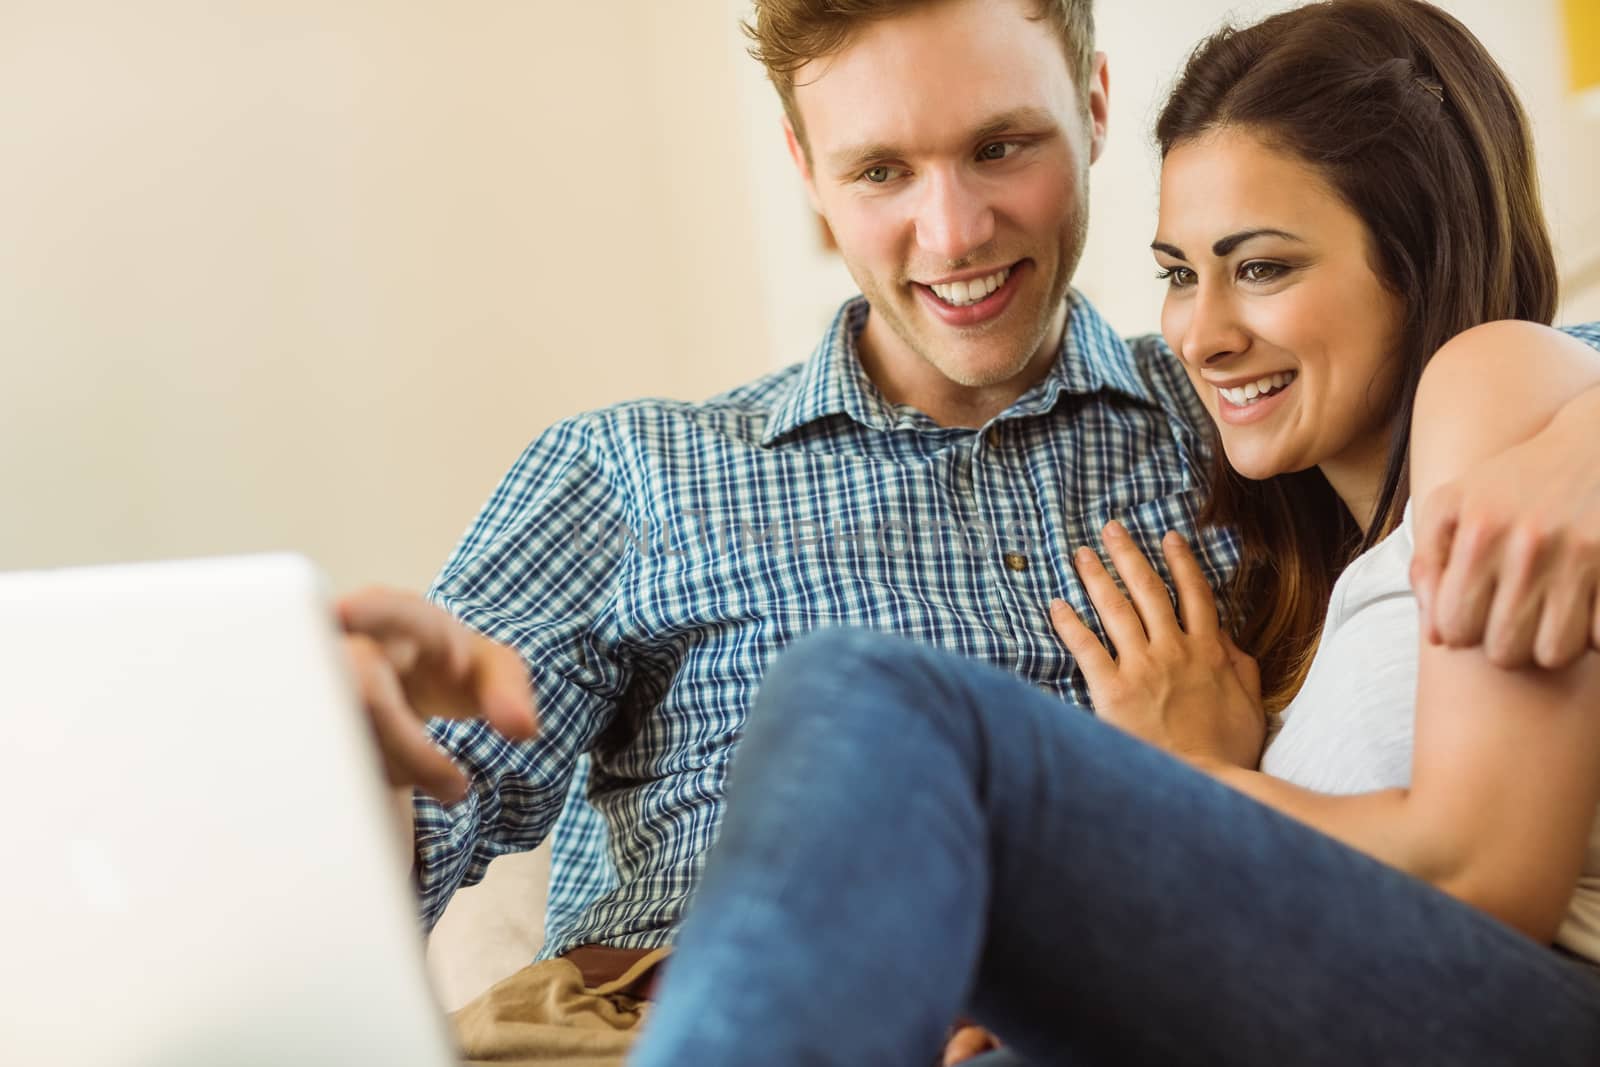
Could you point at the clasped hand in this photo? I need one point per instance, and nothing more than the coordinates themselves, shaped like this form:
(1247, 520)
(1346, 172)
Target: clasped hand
(1176, 680)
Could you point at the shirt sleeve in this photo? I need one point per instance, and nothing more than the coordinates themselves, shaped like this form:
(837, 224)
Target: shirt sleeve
(1588, 333)
(540, 570)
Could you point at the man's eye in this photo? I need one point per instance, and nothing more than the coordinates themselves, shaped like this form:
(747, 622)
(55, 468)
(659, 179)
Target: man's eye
(991, 153)
(1262, 272)
(878, 175)
(1177, 277)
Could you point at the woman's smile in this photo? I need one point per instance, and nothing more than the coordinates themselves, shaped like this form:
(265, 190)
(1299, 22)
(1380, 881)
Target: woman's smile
(1252, 399)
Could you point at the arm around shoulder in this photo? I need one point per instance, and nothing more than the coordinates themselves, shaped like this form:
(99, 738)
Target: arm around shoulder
(1506, 483)
(1506, 768)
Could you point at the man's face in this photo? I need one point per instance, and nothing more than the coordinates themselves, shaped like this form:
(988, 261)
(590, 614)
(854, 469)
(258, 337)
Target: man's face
(949, 153)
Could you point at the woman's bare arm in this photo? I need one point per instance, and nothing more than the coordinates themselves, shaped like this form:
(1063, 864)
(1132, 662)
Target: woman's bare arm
(1506, 770)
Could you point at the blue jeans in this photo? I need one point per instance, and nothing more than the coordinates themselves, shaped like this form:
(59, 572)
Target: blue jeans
(911, 837)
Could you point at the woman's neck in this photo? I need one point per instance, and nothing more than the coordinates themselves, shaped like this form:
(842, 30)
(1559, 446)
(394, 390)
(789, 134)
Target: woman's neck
(1357, 477)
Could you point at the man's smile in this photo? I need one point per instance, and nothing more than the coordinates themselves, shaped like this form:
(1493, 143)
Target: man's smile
(973, 301)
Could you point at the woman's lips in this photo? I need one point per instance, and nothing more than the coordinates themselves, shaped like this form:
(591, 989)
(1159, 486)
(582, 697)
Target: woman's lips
(1244, 414)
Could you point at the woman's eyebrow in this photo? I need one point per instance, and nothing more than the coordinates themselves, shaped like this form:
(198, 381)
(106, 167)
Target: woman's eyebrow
(1234, 240)
(1227, 244)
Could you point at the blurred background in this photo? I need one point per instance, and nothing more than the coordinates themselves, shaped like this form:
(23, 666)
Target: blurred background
(279, 274)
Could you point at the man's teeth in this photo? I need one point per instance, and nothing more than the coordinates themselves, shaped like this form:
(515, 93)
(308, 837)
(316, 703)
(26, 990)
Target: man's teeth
(1245, 395)
(962, 294)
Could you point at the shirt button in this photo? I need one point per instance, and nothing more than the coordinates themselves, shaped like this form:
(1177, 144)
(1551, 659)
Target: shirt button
(1016, 561)
(993, 437)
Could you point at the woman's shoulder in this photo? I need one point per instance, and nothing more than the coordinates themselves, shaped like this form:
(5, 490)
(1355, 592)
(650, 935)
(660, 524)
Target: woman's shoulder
(1488, 389)
(1378, 579)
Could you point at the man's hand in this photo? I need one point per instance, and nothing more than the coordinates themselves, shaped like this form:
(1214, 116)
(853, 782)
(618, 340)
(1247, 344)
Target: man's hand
(967, 1042)
(414, 661)
(1509, 557)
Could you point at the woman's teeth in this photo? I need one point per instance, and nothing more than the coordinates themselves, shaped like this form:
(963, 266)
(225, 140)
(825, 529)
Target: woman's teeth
(1245, 395)
(962, 294)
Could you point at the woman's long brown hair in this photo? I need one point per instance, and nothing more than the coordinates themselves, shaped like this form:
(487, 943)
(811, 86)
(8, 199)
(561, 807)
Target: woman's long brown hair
(1416, 127)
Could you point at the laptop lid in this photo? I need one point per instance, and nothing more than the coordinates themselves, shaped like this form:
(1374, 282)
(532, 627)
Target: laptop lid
(201, 865)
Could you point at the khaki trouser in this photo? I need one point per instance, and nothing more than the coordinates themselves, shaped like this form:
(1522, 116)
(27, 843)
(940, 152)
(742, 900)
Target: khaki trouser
(545, 1014)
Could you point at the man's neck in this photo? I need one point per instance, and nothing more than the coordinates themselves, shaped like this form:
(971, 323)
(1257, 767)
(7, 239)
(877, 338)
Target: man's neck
(913, 382)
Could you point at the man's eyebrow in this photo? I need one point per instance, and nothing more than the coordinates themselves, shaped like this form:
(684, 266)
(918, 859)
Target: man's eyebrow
(1018, 118)
(1227, 244)
(850, 160)
(854, 157)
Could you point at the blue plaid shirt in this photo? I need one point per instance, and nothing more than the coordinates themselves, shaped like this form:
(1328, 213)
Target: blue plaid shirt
(650, 559)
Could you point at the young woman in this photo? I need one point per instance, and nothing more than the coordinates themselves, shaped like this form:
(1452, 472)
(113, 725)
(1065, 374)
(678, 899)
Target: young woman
(1348, 216)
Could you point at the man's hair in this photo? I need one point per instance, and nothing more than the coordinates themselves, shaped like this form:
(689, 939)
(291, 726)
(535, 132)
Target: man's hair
(788, 34)
(1410, 120)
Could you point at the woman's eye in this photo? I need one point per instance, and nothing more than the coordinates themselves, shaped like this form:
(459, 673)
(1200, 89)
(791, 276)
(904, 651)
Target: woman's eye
(1261, 272)
(1177, 277)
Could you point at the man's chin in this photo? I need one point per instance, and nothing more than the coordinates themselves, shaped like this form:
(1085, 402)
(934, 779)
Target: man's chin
(983, 361)
(980, 371)
(986, 355)
(981, 357)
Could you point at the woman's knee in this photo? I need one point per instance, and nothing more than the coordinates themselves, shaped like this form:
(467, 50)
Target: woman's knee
(823, 671)
(846, 673)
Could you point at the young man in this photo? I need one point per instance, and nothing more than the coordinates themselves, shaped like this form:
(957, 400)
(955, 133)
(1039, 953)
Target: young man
(962, 427)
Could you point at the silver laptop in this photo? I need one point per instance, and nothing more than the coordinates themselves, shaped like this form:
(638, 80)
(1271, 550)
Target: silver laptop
(200, 867)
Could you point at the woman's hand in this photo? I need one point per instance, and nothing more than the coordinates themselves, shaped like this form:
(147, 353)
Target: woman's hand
(1181, 686)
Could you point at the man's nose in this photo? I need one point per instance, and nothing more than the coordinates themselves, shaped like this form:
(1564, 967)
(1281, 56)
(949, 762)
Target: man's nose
(953, 220)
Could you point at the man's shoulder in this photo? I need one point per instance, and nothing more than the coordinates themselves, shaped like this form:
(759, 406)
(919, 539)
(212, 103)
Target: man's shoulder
(663, 422)
(1161, 371)
(1587, 332)
(1150, 352)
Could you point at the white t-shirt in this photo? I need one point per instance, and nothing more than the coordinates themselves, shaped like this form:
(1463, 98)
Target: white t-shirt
(1350, 729)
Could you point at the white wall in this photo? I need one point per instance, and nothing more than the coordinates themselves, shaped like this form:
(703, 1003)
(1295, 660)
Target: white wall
(280, 273)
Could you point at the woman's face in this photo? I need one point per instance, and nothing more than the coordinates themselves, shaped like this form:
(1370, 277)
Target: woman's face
(1285, 329)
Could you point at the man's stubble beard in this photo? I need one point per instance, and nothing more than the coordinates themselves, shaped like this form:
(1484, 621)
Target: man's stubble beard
(1044, 319)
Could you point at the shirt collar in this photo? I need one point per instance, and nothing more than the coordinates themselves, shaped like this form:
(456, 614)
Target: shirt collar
(1093, 359)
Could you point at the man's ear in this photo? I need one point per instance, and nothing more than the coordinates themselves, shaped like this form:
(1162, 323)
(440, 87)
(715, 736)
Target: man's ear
(802, 163)
(1099, 106)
